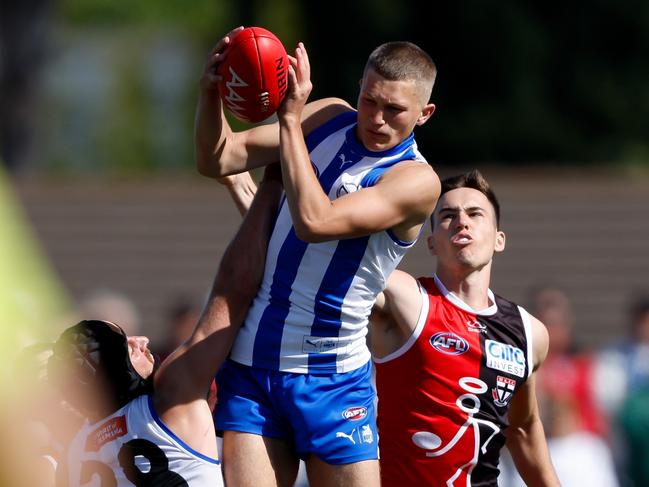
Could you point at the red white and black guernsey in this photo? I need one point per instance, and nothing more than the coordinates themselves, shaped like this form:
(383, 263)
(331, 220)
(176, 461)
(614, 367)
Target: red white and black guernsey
(444, 395)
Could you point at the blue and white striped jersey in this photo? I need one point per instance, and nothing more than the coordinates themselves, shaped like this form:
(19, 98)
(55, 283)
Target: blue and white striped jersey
(311, 312)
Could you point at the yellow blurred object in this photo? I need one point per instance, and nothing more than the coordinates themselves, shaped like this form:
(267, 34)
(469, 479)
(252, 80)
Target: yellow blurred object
(33, 304)
(32, 300)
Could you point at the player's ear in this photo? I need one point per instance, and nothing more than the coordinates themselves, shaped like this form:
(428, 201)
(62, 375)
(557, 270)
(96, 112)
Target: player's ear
(431, 245)
(501, 239)
(426, 113)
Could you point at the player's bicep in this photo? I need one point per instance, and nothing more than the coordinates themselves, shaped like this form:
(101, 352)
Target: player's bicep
(407, 195)
(523, 407)
(540, 342)
(259, 146)
(321, 111)
(249, 149)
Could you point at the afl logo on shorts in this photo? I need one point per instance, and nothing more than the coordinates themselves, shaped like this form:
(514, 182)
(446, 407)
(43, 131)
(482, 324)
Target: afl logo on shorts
(355, 413)
(449, 343)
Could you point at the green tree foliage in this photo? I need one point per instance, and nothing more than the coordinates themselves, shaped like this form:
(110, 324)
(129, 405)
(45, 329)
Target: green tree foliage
(203, 19)
(518, 81)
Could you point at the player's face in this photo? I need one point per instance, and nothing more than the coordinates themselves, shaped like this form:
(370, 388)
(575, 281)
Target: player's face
(140, 355)
(465, 230)
(388, 111)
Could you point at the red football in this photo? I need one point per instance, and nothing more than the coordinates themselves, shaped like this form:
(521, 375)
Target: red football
(254, 74)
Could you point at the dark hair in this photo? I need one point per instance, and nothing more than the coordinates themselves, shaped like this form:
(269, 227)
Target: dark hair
(474, 180)
(95, 352)
(404, 61)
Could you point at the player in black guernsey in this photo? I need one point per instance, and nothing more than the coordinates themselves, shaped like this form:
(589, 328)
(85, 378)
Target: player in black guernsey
(455, 363)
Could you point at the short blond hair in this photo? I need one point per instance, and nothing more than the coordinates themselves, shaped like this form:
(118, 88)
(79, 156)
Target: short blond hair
(404, 61)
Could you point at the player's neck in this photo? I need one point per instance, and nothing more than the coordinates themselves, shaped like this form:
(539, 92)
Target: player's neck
(470, 287)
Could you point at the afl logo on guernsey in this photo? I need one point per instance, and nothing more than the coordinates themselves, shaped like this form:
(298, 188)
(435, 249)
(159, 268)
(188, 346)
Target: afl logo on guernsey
(355, 413)
(449, 343)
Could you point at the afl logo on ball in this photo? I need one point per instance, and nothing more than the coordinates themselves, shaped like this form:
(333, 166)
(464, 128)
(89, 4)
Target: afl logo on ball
(355, 413)
(449, 343)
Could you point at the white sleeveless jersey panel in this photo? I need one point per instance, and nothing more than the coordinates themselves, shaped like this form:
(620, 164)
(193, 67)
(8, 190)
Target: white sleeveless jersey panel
(134, 447)
(312, 309)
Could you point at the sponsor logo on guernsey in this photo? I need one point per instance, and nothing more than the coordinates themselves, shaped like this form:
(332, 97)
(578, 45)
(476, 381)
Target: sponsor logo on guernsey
(319, 344)
(449, 343)
(355, 413)
(346, 188)
(476, 326)
(505, 357)
(107, 432)
(503, 391)
(344, 161)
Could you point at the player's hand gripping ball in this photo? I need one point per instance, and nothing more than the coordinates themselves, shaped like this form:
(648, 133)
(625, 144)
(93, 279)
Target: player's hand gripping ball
(254, 74)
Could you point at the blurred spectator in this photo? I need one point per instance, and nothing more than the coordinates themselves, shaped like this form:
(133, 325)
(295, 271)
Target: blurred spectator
(624, 367)
(621, 383)
(24, 32)
(182, 316)
(566, 376)
(109, 305)
(565, 386)
(634, 423)
(580, 457)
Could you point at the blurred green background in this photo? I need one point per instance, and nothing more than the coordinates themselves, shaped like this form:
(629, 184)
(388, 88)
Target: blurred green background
(103, 214)
(113, 87)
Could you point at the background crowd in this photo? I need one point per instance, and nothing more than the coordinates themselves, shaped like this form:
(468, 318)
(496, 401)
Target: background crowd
(94, 90)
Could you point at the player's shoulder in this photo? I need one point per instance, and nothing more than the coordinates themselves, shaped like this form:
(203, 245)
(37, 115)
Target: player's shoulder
(540, 341)
(400, 282)
(417, 180)
(319, 112)
(411, 167)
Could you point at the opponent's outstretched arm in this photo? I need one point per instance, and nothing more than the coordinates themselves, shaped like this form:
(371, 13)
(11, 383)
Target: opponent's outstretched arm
(183, 380)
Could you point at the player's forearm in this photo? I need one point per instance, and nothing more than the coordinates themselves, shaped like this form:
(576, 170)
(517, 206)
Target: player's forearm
(307, 201)
(242, 264)
(186, 374)
(239, 276)
(529, 451)
(211, 131)
(242, 190)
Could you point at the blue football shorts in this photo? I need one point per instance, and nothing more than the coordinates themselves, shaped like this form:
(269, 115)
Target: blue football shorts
(331, 416)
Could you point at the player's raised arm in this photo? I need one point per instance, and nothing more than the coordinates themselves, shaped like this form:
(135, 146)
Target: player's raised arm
(403, 198)
(219, 151)
(183, 380)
